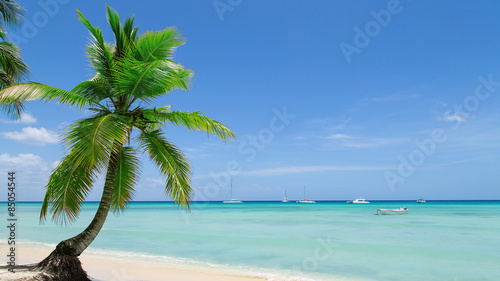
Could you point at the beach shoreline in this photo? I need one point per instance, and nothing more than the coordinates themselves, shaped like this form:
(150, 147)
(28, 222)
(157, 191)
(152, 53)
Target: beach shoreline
(101, 266)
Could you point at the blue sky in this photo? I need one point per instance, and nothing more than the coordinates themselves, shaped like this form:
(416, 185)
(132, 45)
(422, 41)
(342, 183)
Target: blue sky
(380, 99)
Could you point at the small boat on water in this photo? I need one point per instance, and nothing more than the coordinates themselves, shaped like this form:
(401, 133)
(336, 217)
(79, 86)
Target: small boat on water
(421, 200)
(400, 211)
(231, 200)
(284, 199)
(358, 201)
(307, 201)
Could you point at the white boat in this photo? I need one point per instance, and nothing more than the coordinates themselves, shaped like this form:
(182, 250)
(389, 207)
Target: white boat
(421, 200)
(231, 200)
(359, 201)
(307, 201)
(284, 199)
(400, 211)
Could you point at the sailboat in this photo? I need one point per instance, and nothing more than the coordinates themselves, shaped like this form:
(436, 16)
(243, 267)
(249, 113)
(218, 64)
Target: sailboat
(284, 199)
(231, 200)
(306, 200)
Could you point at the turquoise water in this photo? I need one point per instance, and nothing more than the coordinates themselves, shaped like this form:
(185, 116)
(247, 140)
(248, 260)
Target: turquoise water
(323, 241)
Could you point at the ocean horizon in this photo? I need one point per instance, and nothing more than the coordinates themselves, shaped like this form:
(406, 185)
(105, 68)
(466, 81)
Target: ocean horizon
(331, 240)
(293, 201)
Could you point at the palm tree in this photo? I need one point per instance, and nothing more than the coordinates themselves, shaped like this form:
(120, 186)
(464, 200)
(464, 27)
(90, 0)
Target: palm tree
(135, 70)
(12, 66)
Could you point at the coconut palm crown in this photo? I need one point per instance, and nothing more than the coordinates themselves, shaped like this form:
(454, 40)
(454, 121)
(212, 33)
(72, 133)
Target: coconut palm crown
(131, 72)
(12, 66)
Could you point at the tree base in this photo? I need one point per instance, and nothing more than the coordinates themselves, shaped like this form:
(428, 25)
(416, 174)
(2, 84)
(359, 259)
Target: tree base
(56, 267)
(62, 267)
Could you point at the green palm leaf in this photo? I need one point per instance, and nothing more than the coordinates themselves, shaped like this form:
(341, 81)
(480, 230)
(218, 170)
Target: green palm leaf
(95, 89)
(98, 51)
(194, 121)
(127, 173)
(67, 188)
(172, 163)
(94, 139)
(158, 45)
(12, 65)
(148, 80)
(11, 12)
(12, 97)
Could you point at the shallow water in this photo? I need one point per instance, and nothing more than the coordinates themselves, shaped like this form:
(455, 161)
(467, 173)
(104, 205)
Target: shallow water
(328, 240)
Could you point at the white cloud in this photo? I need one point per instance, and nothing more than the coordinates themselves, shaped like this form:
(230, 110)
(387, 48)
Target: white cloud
(309, 169)
(393, 98)
(339, 136)
(32, 172)
(22, 161)
(26, 118)
(347, 141)
(155, 181)
(455, 117)
(33, 136)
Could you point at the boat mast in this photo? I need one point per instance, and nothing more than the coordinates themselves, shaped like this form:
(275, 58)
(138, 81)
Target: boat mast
(231, 190)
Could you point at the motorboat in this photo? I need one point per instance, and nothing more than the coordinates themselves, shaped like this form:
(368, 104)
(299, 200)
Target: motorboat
(421, 200)
(400, 211)
(358, 201)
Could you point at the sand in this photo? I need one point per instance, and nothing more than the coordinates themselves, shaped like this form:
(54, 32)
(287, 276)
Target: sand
(105, 268)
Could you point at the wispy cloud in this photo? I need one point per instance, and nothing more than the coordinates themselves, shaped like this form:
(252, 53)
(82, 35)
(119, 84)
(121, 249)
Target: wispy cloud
(453, 117)
(348, 141)
(392, 98)
(26, 118)
(311, 169)
(463, 161)
(332, 124)
(339, 137)
(33, 136)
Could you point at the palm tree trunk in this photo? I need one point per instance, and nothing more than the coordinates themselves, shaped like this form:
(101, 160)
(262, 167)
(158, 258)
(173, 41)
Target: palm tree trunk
(63, 261)
(76, 245)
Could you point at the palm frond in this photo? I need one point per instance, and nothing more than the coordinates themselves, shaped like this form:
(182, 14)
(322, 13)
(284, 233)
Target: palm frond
(95, 89)
(98, 51)
(158, 45)
(11, 12)
(13, 97)
(148, 80)
(130, 31)
(12, 64)
(194, 121)
(127, 173)
(172, 163)
(114, 22)
(68, 186)
(94, 139)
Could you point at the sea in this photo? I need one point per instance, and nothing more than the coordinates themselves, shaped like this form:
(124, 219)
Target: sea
(437, 240)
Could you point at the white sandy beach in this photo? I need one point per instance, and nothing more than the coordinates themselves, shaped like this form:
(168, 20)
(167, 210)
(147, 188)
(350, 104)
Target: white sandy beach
(104, 268)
